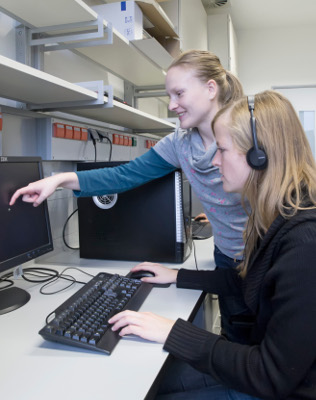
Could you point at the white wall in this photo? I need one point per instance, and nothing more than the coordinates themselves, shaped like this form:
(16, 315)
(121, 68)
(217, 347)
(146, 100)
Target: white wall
(274, 57)
(222, 40)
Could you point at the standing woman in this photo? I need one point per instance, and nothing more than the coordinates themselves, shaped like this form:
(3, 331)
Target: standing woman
(277, 276)
(198, 86)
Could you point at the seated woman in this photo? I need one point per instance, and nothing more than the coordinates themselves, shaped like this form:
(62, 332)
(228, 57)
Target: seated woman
(277, 276)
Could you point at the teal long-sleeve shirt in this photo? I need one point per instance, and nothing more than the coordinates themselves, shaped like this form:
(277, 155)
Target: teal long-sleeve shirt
(119, 179)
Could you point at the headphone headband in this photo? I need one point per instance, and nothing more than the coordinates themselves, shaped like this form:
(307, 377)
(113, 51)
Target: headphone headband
(251, 103)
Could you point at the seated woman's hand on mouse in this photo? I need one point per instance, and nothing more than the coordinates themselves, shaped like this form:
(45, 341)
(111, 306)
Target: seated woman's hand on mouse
(147, 325)
(162, 274)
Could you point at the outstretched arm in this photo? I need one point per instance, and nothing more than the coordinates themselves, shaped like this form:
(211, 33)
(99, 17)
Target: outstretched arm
(37, 192)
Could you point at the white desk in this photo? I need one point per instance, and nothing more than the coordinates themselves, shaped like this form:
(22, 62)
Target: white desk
(34, 369)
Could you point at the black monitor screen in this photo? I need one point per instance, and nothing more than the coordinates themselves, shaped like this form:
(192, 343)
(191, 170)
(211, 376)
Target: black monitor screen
(24, 230)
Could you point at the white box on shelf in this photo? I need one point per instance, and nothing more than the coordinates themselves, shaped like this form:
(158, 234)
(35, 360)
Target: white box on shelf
(126, 17)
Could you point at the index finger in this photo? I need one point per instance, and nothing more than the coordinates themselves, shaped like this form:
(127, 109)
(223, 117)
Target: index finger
(16, 195)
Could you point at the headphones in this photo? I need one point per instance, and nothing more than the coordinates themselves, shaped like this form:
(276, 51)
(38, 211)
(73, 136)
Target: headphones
(256, 157)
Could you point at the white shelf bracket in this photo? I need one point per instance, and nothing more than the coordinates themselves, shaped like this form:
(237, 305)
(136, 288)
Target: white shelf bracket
(72, 36)
(104, 101)
(102, 90)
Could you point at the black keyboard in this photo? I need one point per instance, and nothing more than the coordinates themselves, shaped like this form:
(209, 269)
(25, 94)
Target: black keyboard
(82, 319)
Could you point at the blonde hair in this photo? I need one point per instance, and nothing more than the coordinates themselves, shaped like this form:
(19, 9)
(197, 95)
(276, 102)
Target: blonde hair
(288, 184)
(207, 66)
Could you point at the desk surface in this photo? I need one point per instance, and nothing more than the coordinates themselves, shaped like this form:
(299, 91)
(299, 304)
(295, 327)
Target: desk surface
(32, 368)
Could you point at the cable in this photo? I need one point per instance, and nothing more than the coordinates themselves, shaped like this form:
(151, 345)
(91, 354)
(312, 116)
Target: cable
(95, 152)
(69, 278)
(108, 139)
(48, 274)
(94, 141)
(94, 137)
(8, 281)
(53, 280)
(194, 253)
(64, 230)
(51, 276)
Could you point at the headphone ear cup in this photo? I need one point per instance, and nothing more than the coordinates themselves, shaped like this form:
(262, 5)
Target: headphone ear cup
(257, 158)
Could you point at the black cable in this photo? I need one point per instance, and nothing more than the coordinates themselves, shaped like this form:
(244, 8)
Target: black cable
(51, 276)
(64, 230)
(95, 152)
(46, 319)
(95, 159)
(51, 273)
(53, 280)
(47, 276)
(8, 281)
(109, 140)
(194, 253)
(48, 273)
(70, 278)
(94, 142)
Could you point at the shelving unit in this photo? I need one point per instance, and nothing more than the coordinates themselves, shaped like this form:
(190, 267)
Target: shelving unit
(18, 82)
(126, 59)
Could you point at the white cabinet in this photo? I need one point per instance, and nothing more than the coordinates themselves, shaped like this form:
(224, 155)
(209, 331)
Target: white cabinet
(222, 40)
(192, 25)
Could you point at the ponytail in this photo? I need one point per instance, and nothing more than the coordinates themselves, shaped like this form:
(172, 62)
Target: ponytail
(234, 89)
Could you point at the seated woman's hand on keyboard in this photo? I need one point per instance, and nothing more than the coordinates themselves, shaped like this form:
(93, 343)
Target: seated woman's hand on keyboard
(144, 324)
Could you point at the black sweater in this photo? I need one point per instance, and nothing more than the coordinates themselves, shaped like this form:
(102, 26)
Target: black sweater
(280, 291)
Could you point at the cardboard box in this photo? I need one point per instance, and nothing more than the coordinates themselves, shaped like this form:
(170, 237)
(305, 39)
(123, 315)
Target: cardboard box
(157, 23)
(126, 17)
(172, 46)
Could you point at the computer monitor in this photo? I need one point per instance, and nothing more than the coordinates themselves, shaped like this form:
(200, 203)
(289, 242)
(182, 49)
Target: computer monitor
(25, 231)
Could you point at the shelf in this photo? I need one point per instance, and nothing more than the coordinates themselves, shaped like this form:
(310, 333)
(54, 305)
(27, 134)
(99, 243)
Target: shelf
(124, 115)
(125, 59)
(46, 13)
(155, 51)
(28, 85)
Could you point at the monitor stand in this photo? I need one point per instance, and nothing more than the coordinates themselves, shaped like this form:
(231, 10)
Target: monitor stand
(12, 298)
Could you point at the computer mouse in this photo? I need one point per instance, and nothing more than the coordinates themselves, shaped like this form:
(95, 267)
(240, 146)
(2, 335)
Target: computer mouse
(141, 274)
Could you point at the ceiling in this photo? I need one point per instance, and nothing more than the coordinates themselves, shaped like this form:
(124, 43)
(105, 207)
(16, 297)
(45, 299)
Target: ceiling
(249, 14)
